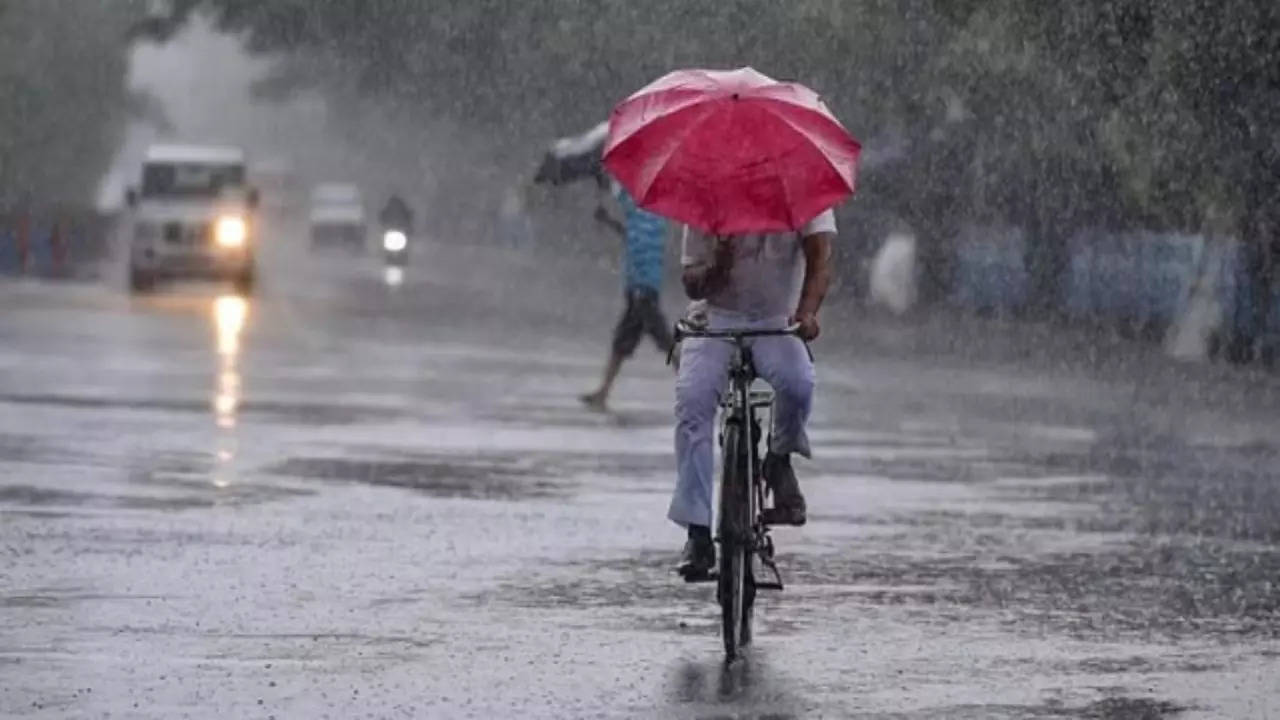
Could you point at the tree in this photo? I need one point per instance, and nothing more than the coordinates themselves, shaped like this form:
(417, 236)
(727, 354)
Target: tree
(1050, 117)
(1197, 137)
(63, 68)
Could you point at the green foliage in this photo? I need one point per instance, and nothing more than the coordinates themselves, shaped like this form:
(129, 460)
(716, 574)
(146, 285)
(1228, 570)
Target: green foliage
(1197, 135)
(1097, 111)
(63, 67)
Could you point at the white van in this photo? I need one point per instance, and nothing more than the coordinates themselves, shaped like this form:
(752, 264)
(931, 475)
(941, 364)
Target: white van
(337, 217)
(194, 215)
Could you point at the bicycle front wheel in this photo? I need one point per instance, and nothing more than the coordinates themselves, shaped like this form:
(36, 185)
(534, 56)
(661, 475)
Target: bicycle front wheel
(735, 543)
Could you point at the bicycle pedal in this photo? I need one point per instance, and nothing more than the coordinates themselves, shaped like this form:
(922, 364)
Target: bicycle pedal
(776, 582)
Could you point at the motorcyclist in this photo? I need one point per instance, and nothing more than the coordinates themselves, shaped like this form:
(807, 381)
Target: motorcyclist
(396, 215)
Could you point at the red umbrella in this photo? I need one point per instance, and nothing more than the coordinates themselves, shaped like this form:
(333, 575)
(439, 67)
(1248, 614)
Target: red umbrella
(731, 152)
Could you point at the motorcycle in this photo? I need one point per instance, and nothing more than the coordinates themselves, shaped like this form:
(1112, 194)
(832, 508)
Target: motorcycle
(395, 247)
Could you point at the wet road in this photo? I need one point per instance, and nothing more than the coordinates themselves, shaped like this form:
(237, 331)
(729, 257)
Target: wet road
(343, 500)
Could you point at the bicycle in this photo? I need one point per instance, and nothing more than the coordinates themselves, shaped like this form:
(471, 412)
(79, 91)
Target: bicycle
(742, 532)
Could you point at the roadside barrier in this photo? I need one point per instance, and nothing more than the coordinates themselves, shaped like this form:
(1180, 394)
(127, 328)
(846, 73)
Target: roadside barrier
(71, 244)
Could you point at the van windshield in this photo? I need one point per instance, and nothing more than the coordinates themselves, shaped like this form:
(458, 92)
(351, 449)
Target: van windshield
(190, 179)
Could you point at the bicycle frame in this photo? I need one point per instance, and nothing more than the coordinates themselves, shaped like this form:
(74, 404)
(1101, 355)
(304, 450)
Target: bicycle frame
(747, 536)
(741, 405)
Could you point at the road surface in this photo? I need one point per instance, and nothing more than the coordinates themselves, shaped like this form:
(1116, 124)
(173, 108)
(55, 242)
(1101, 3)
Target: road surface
(344, 499)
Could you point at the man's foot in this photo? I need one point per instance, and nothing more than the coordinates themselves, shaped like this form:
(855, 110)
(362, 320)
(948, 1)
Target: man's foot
(699, 556)
(594, 401)
(788, 502)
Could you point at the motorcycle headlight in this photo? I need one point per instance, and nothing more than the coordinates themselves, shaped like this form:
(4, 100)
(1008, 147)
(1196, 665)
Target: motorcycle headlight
(394, 241)
(230, 232)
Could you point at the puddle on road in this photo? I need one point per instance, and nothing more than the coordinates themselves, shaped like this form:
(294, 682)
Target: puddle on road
(1138, 589)
(1127, 708)
(209, 497)
(59, 597)
(302, 413)
(171, 481)
(488, 477)
(92, 402)
(492, 475)
(37, 450)
(28, 495)
(751, 688)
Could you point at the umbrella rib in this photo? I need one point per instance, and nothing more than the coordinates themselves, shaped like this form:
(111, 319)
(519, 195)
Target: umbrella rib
(694, 98)
(775, 160)
(826, 158)
(688, 131)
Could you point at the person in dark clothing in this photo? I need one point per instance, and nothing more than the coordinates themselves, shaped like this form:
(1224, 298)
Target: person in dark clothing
(396, 214)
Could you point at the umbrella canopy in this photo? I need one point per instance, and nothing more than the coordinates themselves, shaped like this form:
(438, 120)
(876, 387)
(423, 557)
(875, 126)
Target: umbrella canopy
(576, 157)
(731, 152)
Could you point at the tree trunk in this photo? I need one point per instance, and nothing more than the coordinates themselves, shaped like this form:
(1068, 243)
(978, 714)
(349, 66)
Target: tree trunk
(1254, 299)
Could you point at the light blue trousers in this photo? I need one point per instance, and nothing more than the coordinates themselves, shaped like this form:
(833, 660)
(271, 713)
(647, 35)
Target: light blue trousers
(783, 362)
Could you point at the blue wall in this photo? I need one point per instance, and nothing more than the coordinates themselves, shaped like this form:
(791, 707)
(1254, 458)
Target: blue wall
(1138, 277)
(989, 272)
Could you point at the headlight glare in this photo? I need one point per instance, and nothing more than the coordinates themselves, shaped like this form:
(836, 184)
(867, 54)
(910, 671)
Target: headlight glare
(394, 241)
(231, 232)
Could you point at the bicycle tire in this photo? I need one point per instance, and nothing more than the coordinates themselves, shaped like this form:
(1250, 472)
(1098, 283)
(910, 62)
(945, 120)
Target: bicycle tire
(735, 550)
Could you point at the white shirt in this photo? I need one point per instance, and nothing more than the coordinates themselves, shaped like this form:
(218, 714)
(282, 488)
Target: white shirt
(767, 274)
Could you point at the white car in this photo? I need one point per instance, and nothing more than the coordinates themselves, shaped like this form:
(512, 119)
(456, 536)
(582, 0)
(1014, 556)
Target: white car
(194, 215)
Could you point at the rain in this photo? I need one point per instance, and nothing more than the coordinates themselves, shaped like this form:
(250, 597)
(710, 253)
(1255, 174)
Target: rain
(354, 359)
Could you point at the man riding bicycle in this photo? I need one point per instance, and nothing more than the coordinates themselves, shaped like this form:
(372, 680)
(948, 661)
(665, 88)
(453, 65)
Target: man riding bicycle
(757, 282)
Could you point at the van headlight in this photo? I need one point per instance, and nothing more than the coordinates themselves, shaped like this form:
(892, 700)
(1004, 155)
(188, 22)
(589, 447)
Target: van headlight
(394, 241)
(230, 231)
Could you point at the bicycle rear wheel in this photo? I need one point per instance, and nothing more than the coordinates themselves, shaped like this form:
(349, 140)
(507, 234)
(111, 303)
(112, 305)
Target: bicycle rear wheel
(735, 586)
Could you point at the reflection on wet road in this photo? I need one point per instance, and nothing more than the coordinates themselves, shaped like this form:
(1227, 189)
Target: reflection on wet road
(229, 315)
(338, 501)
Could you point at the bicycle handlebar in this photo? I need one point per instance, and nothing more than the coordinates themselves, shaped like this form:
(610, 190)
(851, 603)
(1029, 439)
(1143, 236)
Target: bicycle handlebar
(684, 330)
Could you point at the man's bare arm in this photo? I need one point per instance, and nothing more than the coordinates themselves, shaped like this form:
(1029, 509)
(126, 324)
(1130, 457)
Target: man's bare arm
(817, 279)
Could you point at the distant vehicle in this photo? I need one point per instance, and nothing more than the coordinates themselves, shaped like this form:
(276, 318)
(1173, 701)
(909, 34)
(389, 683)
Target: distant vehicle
(282, 189)
(396, 219)
(337, 217)
(194, 215)
(395, 246)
